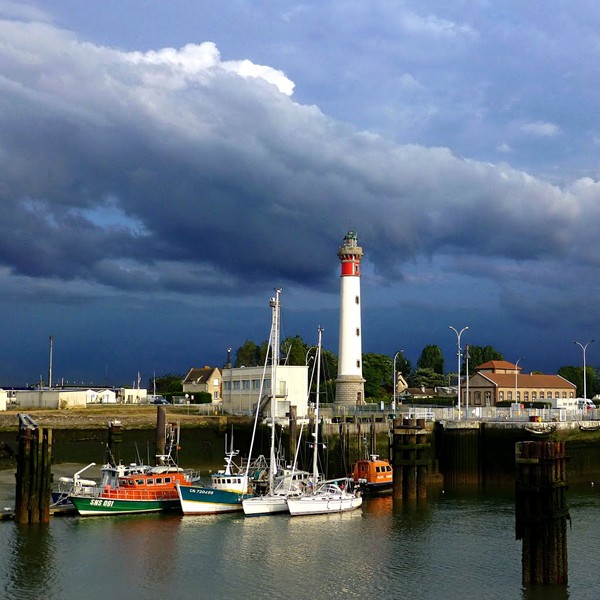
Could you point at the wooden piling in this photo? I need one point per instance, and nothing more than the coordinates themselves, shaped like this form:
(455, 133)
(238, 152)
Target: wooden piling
(161, 430)
(409, 460)
(541, 511)
(293, 433)
(114, 442)
(372, 437)
(34, 475)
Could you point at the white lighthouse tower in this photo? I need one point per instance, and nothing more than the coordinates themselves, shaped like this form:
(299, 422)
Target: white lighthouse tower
(350, 385)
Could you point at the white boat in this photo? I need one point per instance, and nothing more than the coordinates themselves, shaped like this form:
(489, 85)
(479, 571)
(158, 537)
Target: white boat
(272, 502)
(336, 495)
(227, 488)
(331, 496)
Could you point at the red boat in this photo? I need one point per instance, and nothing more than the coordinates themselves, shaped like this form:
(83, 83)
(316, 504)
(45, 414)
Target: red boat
(373, 474)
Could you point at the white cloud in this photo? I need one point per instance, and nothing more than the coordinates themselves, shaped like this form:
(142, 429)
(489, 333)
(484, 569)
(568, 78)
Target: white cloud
(541, 128)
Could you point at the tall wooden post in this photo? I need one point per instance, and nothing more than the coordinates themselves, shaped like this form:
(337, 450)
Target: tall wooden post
(373, 439)
(114, 442)
(161, 430)
(542, 511)
(293, 433)
(34, 475)
(409, 460)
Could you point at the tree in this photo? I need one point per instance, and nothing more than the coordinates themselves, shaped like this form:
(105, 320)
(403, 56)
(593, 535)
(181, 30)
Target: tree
(167, 384)
(248, 355)
(403, 366)
(427, 378)
(479, 355)
(377, 371)
(431, 358)
(293, 351)
(575, 375)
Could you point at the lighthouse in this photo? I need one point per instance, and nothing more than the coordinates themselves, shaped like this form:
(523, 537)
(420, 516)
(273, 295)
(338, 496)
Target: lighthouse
(350, 385)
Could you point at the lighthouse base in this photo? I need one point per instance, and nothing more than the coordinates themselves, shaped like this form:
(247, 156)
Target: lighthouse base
(349, 390)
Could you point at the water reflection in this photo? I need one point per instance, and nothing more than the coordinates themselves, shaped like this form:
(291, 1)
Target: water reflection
(31, 570)
(452, 546)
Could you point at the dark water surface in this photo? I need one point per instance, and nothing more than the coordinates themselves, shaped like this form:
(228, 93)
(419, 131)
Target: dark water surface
(454, 546)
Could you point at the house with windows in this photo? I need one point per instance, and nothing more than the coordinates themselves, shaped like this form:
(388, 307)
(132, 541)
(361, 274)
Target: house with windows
(501, 381)
(244, 387)
(207, 379)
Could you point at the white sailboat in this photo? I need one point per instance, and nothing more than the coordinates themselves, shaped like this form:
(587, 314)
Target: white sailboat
(331, 496)
(279, 484)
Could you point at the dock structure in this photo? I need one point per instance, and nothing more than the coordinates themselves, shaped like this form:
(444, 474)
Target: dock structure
(542, 511)
(409, 459)
(34, 475)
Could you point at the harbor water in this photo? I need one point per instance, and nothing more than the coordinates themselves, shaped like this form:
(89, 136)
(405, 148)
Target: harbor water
(456, 545)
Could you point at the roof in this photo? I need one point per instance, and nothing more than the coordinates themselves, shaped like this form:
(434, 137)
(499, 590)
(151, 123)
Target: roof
(531, 381)
(495, 365)
(199, 375)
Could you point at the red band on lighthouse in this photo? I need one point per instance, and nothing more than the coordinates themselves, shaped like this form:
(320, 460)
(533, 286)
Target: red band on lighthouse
(350, 268)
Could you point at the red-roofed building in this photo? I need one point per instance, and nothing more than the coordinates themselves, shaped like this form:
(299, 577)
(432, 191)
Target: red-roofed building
(501, 381)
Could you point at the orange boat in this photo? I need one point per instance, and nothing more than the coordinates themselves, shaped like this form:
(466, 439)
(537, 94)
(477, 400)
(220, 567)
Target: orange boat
(373, 474)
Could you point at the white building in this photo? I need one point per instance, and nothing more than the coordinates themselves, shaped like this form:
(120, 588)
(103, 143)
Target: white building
(242, 388)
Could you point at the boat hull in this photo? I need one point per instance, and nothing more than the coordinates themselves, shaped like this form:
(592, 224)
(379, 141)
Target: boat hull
(202, 500)
(264, 505)
(316, 505)
(115, 506)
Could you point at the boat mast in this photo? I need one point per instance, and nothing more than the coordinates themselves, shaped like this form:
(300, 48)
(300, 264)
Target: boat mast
(316, 432)
(275, 305)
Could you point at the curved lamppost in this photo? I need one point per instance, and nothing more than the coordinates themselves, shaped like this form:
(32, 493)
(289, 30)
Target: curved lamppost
(458, 334)
(516, 381)
(394, 382)
(584, 348)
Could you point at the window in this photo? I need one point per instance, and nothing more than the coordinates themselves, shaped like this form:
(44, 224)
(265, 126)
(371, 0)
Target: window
(357, 331)
(509, 396)
(227, 385)
(149, 481)
(216, 381)
(541, 395)
(215, 395)
(525, 396)
(159, 481)
(357, 300)
(358, 364)
(256, 384)
(500, 396)
(534, 396)
(236, 385)
(245, 384)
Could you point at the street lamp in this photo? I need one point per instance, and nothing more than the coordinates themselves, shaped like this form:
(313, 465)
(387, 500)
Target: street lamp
(467, 357)
(516, 375)
(584, 348)
(458, 334)
(395, 383)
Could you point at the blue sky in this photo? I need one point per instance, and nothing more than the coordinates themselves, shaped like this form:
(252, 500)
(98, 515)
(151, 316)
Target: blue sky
(165, 165)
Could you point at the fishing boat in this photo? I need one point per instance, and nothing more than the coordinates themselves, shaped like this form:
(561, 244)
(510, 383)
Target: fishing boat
(227, 488)
(373, 474)
(336, 495)
(139, 490)
(77, 485)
